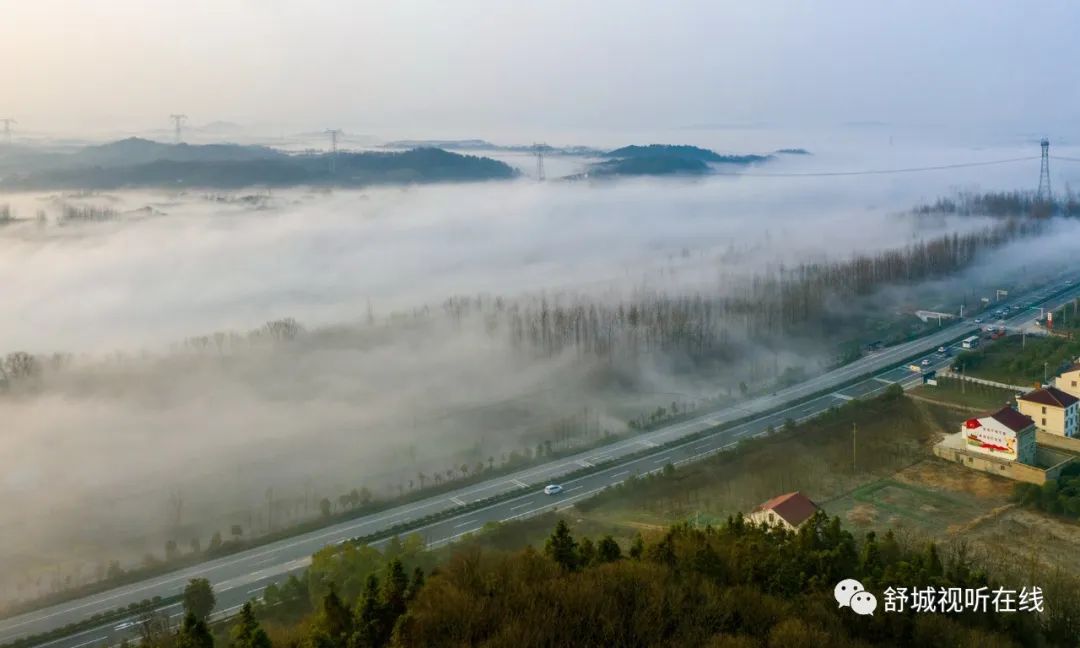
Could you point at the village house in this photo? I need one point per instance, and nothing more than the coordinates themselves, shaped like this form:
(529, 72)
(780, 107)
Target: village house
(1053, 410)
(1069, 380)
(789, 511)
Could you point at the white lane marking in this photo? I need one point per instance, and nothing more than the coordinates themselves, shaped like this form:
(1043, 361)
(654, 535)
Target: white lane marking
(87, 643)
(619, 474)
(843, 397)
(662, 460)
(584, 464)
(514, 508)
(257, 589)
(457, 501)
(570, 490)
(458, 526)
(520, 483)
(647, 444)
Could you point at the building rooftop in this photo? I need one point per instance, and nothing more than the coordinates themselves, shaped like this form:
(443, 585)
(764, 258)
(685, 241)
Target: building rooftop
(795, 508)
(1012, 419)
(1051, 396)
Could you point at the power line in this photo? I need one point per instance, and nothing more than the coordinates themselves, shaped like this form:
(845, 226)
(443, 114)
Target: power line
(1064, 159)
(812, 174)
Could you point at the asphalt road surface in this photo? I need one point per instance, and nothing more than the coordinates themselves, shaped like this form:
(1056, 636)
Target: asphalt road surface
(242, 576)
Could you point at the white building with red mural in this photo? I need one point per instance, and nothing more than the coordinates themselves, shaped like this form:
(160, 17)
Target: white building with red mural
(1005, 434)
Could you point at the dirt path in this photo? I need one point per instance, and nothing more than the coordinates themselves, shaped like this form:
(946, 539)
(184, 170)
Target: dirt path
(955, 406)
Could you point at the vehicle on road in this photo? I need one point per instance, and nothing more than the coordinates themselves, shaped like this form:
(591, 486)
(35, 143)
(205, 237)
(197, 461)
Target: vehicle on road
(552, 489)
(123, 626)
(941, 349)
(977, 320)
(926, 362)
(970, 342)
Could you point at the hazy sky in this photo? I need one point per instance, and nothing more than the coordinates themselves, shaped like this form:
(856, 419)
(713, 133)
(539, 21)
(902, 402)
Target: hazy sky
(429, 66)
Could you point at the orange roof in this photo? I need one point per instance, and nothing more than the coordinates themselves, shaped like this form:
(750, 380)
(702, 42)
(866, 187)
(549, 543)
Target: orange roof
(795, 508)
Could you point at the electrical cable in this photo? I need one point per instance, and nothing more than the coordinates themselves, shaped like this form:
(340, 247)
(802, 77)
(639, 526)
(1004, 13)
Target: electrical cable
(812, 174)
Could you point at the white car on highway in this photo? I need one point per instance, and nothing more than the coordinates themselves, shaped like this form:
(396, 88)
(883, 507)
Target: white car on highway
(552, 489)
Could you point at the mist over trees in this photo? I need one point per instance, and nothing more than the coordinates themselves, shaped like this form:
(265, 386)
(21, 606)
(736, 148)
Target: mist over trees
(397, 401)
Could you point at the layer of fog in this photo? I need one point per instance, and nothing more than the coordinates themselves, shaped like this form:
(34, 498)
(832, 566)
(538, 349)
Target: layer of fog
(93, 458)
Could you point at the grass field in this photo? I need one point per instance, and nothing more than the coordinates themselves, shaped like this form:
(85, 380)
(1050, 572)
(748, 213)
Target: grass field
(1015, 361)
(983, 398)
(895, 484)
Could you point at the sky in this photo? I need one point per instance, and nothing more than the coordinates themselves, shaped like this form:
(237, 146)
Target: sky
(470, 67)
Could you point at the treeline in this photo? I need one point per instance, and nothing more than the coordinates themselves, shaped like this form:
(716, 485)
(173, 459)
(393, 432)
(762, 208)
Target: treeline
(736, 585)
(1059, 496)
(164, 169)
(708, 327)
(1003, 204)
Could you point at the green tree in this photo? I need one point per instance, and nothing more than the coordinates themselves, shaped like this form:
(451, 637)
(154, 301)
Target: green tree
(247, 633)
(586, 552)
(368, 616)
(193, 633)
(415, 584)
(561, 547)
(199, 598)
(608, 550)
(333, 624)
(637, 547)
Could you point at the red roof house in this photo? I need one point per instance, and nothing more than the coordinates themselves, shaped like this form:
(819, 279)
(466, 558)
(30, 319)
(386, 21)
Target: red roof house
(789, 510)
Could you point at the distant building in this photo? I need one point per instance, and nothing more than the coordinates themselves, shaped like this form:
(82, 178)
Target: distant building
(789, 511)
(1069, 380)
(1053, 410)
(1005, 434)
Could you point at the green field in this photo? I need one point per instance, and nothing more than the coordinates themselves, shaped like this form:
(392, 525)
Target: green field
(1015, 361)
(965, 394)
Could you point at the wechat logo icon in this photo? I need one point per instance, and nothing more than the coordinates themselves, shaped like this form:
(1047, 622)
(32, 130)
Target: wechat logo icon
(851, 593)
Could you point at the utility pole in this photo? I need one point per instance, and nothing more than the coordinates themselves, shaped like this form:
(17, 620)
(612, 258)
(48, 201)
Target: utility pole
(1044, 193)
(539, 148)
(334, 133)
(854, 430)
(7, 122)
(178, 126)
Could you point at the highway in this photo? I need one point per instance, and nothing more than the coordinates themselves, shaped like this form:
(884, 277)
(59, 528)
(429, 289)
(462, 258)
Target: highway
(242, 576)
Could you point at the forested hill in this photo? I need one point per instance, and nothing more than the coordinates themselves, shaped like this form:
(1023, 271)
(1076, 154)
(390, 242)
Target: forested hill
(681, 151)
(733, 586)
(667, 159)
(143, 163)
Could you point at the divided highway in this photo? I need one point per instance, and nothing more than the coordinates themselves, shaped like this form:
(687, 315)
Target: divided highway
(242, 576)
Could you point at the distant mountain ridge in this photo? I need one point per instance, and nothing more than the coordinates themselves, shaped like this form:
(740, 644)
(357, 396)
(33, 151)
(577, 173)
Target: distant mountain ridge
(667, 159)
(137, 162)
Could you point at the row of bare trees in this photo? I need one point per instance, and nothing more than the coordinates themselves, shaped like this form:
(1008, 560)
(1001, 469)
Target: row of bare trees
(775, 303)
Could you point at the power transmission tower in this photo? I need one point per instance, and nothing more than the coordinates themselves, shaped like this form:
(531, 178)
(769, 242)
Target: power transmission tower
(334, 133)
(539, 148)
(178, 125)
(1045, 194)
(7, 121)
